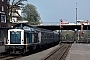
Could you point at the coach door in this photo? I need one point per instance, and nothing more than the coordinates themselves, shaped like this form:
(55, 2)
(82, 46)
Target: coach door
(15, 37)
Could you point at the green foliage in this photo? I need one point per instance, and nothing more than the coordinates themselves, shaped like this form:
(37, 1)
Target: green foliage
(67, 34)
(86, 34)
(30, 14)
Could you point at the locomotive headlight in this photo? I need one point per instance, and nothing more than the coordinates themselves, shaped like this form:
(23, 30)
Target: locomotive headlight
(7, 41)
(23, 41)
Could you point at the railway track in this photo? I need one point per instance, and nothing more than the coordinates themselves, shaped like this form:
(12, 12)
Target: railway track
(59, 53)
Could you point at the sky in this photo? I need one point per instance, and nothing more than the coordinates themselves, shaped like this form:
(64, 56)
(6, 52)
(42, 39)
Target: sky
(54, 10)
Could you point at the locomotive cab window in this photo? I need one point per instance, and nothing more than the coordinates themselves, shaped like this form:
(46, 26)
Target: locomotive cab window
(15, 37)
(17, 32)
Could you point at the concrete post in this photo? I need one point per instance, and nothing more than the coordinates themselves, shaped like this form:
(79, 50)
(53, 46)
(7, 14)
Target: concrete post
(4, 40)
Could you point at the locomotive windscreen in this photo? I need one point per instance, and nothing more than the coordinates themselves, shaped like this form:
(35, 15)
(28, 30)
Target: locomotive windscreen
(15, 37)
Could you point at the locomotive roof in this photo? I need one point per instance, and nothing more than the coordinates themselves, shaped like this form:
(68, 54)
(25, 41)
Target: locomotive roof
(14, 29)
(42, 30)
(32, 28)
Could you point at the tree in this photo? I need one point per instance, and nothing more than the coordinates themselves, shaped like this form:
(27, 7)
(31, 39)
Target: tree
(30, 14)
(14, 4)
(67, 34)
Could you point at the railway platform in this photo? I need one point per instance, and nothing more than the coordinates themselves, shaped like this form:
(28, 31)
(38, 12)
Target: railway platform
(39, 55)
(2, 49)
(79, 52)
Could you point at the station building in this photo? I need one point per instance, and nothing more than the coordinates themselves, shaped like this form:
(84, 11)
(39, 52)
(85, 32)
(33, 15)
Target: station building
(4, 9)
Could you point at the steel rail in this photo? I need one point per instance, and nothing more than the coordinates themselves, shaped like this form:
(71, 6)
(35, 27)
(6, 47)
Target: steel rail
(58, 53)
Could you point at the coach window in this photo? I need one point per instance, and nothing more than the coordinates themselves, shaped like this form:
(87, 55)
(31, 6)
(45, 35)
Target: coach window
(2, 8)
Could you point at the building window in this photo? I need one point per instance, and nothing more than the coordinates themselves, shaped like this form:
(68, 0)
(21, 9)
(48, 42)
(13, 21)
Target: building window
(3, 18)
(2, 8)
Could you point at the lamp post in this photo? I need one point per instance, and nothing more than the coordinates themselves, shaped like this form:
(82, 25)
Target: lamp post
(81, 32)
(76, 13)
(75, 30)
(87, 31)
(61, 30)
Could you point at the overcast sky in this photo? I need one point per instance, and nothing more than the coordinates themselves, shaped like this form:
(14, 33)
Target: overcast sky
(54, 10)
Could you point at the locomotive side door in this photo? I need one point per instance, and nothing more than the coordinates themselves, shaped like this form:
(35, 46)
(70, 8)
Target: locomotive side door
(39, 37)
(36, 37)
(32, 38)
